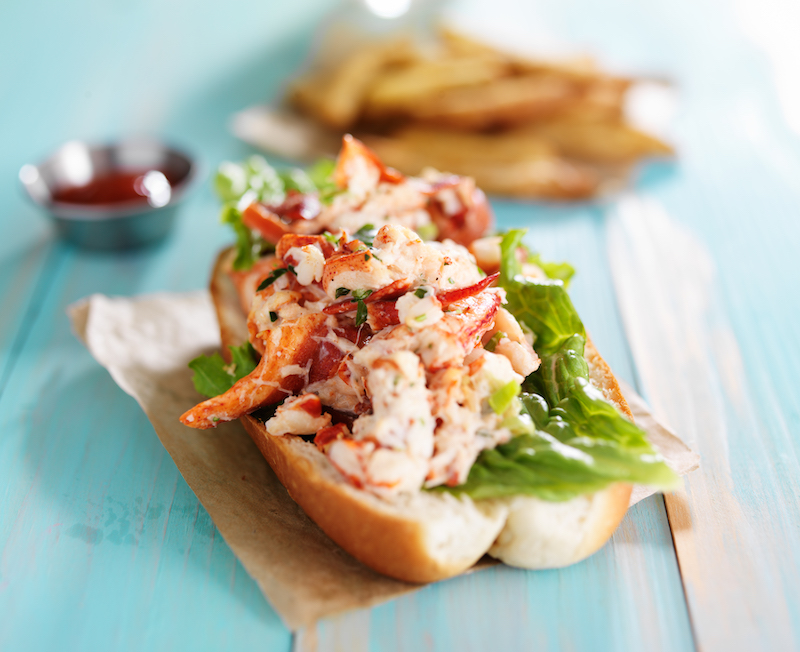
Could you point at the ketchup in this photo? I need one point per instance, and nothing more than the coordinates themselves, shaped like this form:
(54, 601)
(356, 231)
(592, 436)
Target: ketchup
(118, 186)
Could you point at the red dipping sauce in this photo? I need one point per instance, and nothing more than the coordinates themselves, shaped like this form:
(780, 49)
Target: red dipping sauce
(118, 186)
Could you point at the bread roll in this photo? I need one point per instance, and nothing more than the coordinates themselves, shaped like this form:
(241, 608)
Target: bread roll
(429, 535)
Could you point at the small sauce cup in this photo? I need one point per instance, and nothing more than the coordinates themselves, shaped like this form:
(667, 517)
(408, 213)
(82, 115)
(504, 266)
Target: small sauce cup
(117, 196)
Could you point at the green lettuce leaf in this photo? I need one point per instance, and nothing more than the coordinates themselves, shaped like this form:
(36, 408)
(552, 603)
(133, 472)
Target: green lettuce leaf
(559, 271)
(250, 246)
(213, 376)
(239, 184)
(580, 443)
(297, 179)
(556, 271)
(321, 175)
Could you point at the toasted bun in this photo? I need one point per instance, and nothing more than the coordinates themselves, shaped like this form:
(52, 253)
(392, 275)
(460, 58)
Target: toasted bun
(429, 536)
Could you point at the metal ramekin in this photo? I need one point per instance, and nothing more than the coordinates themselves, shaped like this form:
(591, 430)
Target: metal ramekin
(120, 225)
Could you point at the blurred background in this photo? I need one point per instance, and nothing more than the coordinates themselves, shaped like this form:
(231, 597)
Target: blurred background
(100, 71)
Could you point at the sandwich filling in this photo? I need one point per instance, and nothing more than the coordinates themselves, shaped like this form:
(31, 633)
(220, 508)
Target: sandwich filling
(357, 190)
(396, 354)
(402, 361)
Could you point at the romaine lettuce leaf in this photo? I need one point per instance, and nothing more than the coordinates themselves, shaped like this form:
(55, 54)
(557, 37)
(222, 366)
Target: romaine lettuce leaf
(581, 443)
(239, 184)
(562, 271)
(321, 175)
(250, 246)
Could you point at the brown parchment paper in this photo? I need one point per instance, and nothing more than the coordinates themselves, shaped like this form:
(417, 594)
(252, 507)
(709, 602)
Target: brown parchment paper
(145, 343)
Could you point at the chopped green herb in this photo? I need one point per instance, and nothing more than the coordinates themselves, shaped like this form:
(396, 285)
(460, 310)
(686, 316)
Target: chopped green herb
(274, 275)
(360, 295)
(341, 292)
(366, 234)
(291, 269)
(361, 313)
(366, 256)
(420, 293)
(420, 317)
(428, 231)
(330, 237)
(451, 281)
(361, 307)
(501, 400)
(273, 316)
(491, 345)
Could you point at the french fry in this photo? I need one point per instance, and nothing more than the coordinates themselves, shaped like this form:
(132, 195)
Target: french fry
(519, 125)
(497, 163)
(452, 145)
(397, 90)
(578, 68)
(506, 101)
(335, 96)
(605, 142)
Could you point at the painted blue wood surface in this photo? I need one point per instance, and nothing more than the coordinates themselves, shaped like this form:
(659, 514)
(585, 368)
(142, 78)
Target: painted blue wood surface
(102, 545)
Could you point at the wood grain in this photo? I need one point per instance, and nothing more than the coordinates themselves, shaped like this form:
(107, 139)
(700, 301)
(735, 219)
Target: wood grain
(734, 522)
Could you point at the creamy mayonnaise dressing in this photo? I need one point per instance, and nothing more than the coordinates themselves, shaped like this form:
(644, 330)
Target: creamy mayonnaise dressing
(418, 385)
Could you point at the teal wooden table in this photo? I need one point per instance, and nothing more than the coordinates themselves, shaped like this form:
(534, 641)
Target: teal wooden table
(689, 285)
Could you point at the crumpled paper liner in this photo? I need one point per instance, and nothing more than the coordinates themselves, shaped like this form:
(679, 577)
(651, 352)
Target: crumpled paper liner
(145, 343)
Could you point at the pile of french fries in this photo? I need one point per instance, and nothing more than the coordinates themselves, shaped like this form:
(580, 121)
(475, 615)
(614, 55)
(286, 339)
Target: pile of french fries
(520, 127)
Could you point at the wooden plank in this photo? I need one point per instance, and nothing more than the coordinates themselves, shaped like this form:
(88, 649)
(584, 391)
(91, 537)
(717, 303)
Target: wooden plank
(99, 532)
(735, 524)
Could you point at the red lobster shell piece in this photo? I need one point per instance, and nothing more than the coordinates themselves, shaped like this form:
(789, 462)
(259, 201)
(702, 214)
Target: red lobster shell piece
(451, 296)
(473, 220)
(272, 228)
(267, 384)
(352, 153)
(385, 294)
(292, 240)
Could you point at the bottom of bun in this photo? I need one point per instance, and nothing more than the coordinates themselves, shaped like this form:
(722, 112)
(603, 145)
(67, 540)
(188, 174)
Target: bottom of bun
(429, 535)
(420, 537)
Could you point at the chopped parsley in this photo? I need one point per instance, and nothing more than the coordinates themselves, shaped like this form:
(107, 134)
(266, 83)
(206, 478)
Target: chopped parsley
(361, 313)
(274, 275)
(360, 295)
(491, 345)
(342, 292)
(361, 306)
(366, 234)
